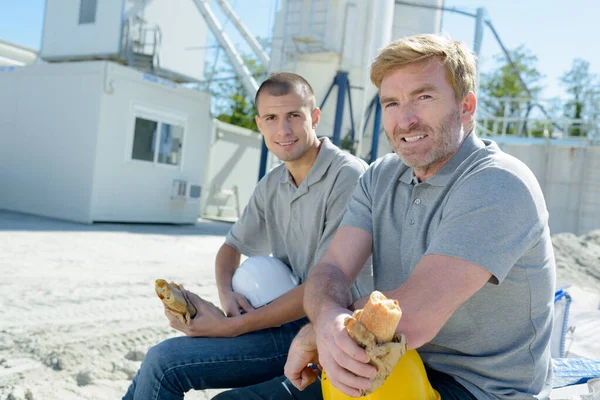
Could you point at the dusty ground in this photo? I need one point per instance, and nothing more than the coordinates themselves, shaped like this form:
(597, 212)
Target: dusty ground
(578, 259)
(78, 309)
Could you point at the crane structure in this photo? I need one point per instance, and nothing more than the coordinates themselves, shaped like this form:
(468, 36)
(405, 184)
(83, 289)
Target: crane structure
(240, 68)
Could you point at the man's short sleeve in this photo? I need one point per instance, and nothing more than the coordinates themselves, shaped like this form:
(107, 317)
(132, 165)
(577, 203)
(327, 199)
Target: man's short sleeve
(359, 210)
(490, 219)
(248, 234)
(340, 195)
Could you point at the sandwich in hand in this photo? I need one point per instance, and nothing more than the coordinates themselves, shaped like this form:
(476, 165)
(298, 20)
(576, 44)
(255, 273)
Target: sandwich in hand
(374, 329)
(174, 300)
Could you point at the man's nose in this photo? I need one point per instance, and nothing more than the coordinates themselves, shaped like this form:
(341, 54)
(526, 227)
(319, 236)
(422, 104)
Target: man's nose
(284, 126)
(405, 117)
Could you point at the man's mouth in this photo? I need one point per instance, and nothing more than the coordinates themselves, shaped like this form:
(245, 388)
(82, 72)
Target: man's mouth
(289, 143)
(413, 138)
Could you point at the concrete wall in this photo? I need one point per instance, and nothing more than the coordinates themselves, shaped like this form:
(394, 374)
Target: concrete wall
(49, 116)
(233, 162)
(569, 177)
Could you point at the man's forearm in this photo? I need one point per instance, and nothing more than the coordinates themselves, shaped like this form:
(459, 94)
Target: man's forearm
(285, 309)
(307, 335)
(227, 261)
(326, 289)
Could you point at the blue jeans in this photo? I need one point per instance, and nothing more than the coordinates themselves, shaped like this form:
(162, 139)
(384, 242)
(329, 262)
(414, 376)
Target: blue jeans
(180, 364)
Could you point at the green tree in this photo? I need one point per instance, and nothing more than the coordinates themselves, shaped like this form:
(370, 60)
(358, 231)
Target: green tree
(503, 82)
(230, 101)
(583, 89)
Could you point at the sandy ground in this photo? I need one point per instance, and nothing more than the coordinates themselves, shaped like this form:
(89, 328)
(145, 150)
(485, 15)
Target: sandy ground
(78, 309)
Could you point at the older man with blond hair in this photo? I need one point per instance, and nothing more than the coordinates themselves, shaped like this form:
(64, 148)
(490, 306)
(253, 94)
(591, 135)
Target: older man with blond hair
(459, 235)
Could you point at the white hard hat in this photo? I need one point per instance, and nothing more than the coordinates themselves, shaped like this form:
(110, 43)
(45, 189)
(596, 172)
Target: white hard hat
(262, 279)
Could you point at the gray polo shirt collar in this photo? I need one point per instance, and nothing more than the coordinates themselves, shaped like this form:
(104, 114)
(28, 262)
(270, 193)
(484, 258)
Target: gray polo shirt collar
(408, 176)
(319, 168)
(443, 176)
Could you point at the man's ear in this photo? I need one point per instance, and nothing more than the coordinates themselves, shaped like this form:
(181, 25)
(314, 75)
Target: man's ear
(468, 108)
(316, 117)
(258, 122)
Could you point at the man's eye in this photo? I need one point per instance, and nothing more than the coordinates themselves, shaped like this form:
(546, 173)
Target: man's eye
(424, 97)
(392, 104)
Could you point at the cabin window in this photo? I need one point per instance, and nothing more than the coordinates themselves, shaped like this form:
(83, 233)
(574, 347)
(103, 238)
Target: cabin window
(169, 144)
(87, 11)
(143, 139)
(157, 141)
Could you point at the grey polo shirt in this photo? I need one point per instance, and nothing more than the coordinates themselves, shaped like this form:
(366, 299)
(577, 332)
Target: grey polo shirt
(486, 207)
(296, 224)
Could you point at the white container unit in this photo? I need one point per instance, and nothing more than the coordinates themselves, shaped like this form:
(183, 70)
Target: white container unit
(76, 29)
(96, 141)
(165, 37)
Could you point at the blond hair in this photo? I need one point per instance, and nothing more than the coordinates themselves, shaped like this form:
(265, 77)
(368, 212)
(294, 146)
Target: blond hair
(457, 58)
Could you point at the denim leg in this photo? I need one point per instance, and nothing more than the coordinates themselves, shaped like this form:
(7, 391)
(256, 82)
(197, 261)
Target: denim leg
(447, 386)
(180, 364)
(276, 389)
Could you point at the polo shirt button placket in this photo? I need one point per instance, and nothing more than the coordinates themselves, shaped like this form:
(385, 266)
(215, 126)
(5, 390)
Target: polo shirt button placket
(417, 201)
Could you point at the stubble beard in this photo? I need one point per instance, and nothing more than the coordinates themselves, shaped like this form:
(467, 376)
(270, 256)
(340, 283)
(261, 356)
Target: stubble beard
(448, 140)
(298, 153)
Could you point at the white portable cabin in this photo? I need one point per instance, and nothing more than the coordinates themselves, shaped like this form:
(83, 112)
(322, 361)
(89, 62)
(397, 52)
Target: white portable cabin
(164, 37)
(95, 141)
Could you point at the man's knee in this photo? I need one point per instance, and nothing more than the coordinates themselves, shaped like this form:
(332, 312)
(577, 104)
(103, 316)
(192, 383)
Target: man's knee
(158, 356)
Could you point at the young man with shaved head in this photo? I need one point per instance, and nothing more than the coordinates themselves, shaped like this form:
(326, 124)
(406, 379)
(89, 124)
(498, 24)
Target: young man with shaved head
(292, 215)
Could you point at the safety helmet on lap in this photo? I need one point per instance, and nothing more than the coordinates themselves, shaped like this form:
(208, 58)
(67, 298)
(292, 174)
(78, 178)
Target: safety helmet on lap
(408, 381)
(262, 279)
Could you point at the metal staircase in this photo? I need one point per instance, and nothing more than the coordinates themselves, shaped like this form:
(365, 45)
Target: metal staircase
(142, 43)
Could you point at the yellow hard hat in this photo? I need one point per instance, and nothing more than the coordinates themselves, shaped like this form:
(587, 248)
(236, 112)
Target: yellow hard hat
(408, 381)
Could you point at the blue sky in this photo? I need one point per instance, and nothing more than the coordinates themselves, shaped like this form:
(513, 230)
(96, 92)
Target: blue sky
(556, 31)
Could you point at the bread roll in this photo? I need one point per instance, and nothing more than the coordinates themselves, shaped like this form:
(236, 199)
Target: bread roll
(380, 316)
(374, 328)
(172, 297)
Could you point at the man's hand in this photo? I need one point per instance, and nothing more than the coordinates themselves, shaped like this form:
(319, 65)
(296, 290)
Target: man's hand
(209, 321)
(234, 303)
(345, 362)
(303, 351)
